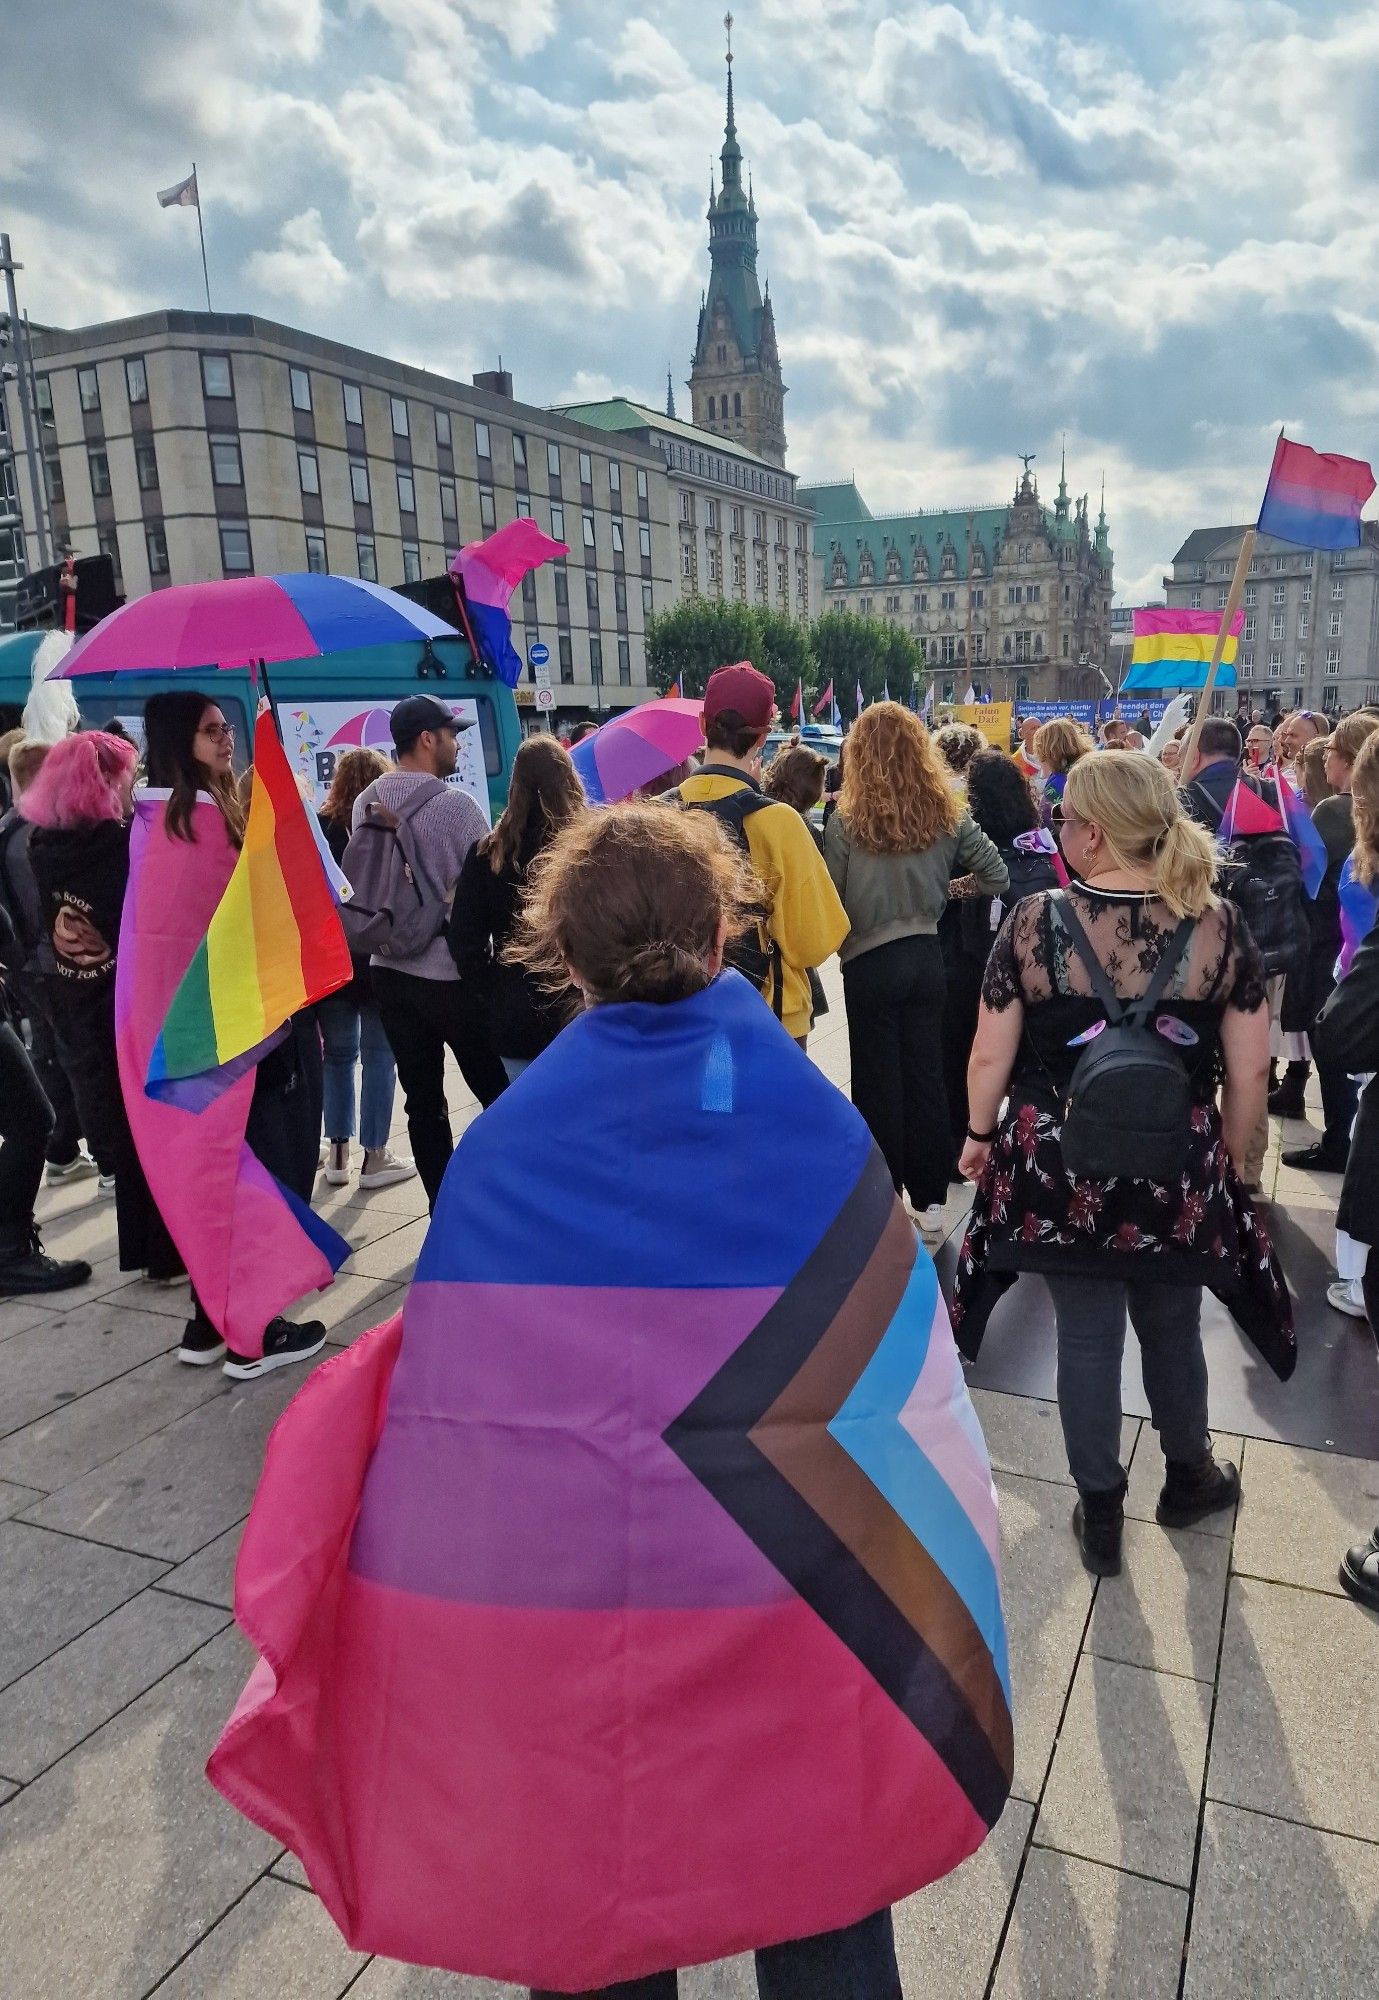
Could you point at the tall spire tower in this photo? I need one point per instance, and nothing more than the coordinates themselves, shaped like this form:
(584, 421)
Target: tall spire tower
(735, 378)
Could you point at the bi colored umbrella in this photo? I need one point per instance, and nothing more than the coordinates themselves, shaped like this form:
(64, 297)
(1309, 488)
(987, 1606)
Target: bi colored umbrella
(633, 748)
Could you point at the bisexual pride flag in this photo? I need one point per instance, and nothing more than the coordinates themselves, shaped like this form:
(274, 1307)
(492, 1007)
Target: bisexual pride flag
(1314, 497)
(646, 1606)
(490, 571)
(1311, 847)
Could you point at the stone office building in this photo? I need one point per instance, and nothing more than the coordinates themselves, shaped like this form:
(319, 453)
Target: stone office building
(1311, 633)
(195, 445)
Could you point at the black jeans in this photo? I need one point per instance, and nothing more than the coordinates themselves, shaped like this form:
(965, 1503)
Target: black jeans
(26, 1119)
(895, 1037)
(82, 1013)
(422, 1018)
(65, 1137)
(857, 1963)
(1090, 1317)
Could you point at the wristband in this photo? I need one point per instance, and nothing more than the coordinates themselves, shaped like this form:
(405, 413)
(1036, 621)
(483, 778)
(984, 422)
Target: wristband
(983, 1138)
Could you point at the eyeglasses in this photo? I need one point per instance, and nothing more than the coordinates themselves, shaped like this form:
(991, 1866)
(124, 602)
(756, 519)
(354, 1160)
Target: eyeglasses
(219, 732)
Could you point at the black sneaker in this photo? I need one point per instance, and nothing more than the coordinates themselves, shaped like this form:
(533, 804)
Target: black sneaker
(284, 1341)
(30, 1269)
(201, 1344)
(1099, 1523)
(1191, 1492)
(1319, 1159)
(1360, 1572)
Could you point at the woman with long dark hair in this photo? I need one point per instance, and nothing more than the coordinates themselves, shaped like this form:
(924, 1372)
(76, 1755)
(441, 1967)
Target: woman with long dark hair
(351, 1026)
(897, 837)
(519, 1015)
(190, 756)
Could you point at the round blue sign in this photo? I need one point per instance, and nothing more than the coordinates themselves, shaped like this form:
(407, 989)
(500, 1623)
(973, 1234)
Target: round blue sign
(539, 654)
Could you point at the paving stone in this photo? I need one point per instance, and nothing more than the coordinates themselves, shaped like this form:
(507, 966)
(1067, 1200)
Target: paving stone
(404, 1198)
(288, 1868)
(1023, 1434)
(73, 1440)
(1164, 1609)
(60, 1702)
(52, 1587)
(362, 1224)
(1046, 1593)
(392, 1257)
(1126, 1781)
(1147, 1478)
(390, 1299)
(120, 1858)
(277, 1941)
(173, 1301)
(48, 1366)
(7, 1790)
(1294, 1732)
(946, 1936)
(173, 1493)
(1282, 1912)
(1301, 1510)
(14, 1499)
(209, 1575)
(353, 1304)
(385, 1979)
(18, 1315)
(1083, 1932)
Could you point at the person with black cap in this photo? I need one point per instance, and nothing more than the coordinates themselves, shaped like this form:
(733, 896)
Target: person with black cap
(420, 1000)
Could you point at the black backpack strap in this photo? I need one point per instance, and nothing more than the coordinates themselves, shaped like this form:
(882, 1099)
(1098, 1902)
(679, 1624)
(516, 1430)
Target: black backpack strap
(1063, 909)
(1164, 971)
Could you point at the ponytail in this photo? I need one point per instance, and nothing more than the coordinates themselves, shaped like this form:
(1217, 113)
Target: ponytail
(1184, 867)
(1133, 800)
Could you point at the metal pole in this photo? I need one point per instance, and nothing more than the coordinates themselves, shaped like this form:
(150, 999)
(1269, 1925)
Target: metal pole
(201, 231)
(9, 267)
(44, 525)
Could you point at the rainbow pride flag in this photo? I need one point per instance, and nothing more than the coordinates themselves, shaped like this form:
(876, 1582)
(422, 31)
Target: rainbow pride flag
(1173, 647)
(1314, 497)
(647, 1605)
(274, 944)
(490, 571)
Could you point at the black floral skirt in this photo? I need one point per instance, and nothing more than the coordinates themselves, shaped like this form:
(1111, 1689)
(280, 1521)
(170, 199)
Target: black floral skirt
(1031, 1214)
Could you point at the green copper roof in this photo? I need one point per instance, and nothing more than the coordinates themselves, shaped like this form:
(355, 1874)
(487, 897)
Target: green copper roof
(619, 413)
(838, 500)
(854, 531)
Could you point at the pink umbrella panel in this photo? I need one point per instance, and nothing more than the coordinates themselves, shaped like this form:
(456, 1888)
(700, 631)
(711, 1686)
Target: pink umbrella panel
(636, 747)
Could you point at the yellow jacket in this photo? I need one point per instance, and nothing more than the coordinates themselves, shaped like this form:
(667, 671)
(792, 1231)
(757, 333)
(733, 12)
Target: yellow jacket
(807, 919)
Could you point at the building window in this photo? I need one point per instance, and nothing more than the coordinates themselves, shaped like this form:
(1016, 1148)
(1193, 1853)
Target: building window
(1023, 651)
(687, 507)
(1034, 593)
(411, 563)
(1280, 593)
(565, 650)
(366, 558)
(620, 595)
(624, 663)
(100, 474)
(1302, 624)
(588, 522)
(1065, 645)
(354, 403)
(641, 482)
(948, 600)
(759, 527)
(449, 511)
(978, 599)
(136, 379)
(1251, 594)
(596, 659)
(591, 591)
(45, 400)
(406, 492)
(615, 485)
(146, 466)
(558, 520)
(300, 383)
(52, 474)
(686, 561)
(156, 542)
(316, 553)
(216, 379)
(1333, 624)
(89, 388)
(553, 460)
(108, 542)
(648, 600)
(586, 469)
(1247, 667)
(1014, 593)
(1333, 661)
(711, 514)
(644, 541)
(524, 507)
(1275, 663)
(488, 513)
(1337, 588)
(713, 565)
(483, 440)
(617, 538)
(1195, 599)
(1276, 625)
(739, 571)
(235, 554)
(1249, 628)
(562, 591)
(1300, 663)
(359, 481)
(1307, 591)
(226, 469)
(1280, 562)
(308, 472)
(519, 452)
(443, 428)
(398, 406)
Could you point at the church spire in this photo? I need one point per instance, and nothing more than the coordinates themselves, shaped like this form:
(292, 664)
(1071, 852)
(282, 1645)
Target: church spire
(670, 395)
(731, 156)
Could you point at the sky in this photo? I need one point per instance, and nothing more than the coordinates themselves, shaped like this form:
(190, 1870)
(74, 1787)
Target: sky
(1150, 228)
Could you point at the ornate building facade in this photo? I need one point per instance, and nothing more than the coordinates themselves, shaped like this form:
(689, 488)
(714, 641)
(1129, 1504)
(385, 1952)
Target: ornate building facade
(1017, 598)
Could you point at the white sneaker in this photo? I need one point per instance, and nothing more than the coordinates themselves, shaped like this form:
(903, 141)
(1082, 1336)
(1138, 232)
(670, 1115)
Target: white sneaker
(384, 1168)
(1346, 1296)
(338, 1163)
(106, 1184)
(929, 1221)
(79, 1168)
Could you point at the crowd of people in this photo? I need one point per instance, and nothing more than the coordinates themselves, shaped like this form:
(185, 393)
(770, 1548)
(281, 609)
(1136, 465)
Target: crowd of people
(992, 911)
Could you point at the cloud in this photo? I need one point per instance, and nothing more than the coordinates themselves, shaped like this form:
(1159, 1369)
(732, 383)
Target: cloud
(303, 267)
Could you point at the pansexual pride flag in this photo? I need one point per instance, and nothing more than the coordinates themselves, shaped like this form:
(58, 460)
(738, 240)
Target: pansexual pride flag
(490, 571)
(1314, 497)
(1173, 647)
(646, 1605)
(274, 944)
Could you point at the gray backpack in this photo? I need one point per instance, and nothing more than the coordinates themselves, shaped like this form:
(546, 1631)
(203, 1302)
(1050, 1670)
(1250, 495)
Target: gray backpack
(396, 909)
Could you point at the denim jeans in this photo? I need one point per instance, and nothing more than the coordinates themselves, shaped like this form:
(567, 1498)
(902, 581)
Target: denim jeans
(857, 1963)
(1090, 1315)
(351, 1031)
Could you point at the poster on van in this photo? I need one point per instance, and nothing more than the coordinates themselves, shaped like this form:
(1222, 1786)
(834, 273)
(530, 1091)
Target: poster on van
(315, 733)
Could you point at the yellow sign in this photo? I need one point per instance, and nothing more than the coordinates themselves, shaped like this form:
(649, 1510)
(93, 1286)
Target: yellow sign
(525, 697)
(993, 718)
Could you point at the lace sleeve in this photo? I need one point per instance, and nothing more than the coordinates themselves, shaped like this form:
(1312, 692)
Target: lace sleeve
(1001, 981)
(1249, 986)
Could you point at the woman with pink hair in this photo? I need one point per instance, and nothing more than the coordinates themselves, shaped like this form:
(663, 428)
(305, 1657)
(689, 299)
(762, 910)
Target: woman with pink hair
(80, 807)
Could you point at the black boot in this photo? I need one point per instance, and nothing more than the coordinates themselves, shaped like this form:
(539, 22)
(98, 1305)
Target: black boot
(1287, 1100)
(1191, 1492)
(26, 1269)
(1273, 1074)
(1098, 1519)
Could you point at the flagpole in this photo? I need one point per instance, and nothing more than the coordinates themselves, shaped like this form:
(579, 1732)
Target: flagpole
(201, 232)
(1233, 597)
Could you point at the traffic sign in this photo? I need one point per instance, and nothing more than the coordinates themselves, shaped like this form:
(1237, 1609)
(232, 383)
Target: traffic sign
(538, 654)
(545, 699)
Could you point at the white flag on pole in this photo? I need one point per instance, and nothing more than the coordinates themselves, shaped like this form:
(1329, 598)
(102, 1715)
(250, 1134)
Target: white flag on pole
(970, 697)
(184, 195)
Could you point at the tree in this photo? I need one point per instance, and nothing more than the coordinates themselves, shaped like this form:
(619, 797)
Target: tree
(686, 643)
(869, 650)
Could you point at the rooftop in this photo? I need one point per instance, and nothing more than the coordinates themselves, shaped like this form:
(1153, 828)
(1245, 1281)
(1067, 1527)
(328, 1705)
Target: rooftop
(620, 413)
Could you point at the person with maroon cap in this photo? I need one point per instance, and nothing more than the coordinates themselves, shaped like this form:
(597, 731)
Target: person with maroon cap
(806, 922)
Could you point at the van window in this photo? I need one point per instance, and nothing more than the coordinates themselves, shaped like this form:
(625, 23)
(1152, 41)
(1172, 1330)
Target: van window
(97, 709)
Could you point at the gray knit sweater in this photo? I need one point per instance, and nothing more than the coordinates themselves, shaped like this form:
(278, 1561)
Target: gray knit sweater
(445, 830)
